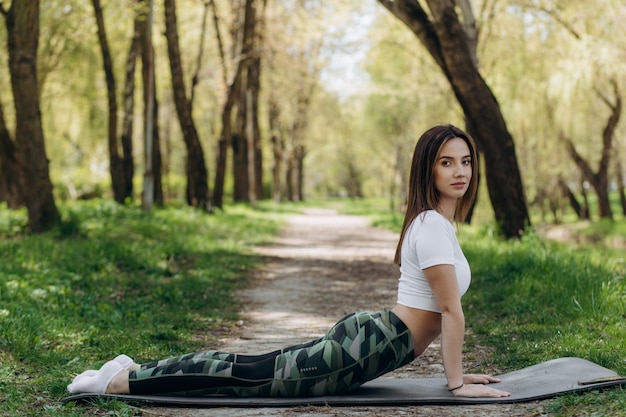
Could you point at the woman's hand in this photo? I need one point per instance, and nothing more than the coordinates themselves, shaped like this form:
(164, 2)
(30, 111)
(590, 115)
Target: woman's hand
(474, 387)
(478, 379)
(479, 391)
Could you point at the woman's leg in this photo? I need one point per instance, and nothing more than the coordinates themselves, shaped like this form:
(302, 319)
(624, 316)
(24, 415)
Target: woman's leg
(113, 377)
(357, 349)
(211, 372)
(371, 344)
(228, 357)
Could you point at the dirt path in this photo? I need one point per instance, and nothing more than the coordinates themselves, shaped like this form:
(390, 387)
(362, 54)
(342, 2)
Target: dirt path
(324, 266)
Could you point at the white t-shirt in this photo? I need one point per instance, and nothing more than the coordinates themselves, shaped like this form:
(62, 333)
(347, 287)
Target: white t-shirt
(430, 240)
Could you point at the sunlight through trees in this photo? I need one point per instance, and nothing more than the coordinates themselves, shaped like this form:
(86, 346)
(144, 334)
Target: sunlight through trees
(293, 99)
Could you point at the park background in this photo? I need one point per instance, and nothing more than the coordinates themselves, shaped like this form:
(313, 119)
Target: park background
(245, 108)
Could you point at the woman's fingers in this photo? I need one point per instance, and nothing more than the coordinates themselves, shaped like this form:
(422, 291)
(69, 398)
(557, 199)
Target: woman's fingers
(479, 391)
(479, 379)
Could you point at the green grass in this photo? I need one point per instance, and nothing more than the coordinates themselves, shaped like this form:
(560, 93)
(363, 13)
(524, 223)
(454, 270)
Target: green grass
(537, 301)
(532, 300)
(113, 279)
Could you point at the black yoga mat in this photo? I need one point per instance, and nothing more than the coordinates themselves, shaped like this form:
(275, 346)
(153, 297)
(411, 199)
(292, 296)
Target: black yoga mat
(537, 382)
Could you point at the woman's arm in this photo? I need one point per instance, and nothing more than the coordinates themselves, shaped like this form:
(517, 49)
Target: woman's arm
(442, 280)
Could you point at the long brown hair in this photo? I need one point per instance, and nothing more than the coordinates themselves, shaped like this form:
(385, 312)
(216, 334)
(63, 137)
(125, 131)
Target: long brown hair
(422, 193)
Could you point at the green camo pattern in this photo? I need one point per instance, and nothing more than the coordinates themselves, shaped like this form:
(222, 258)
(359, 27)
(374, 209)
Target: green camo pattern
(360, 347)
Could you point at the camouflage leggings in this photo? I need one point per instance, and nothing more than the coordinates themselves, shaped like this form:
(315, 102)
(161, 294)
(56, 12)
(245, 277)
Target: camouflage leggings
(359, 348)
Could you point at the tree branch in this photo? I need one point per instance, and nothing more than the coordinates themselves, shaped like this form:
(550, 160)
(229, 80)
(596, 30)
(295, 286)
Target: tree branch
(469, 24)
(411, 13)
(578, 159)
(605, 98)
(611, 124)
(196, 75)
(220, 44)
(554, 14)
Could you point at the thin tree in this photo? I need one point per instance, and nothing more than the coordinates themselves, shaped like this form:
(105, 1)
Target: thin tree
(197, 186)
(128, 166)
(241, 34)
(119, 173)
(195, 79)
(254, 88)
(621, 187)
(10, 191)
(156, 168)
(139, 46)
(305, 63)
(450, 42)
(246, 137)
(22, 24)
(278, 145)
(599, 179)
(223, 141)
(294, 175)
(232, 131)
(227, 108)
(581, 210)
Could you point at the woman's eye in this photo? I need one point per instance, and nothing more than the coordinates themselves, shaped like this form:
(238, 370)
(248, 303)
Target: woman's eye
(445, 163)
(467, 162)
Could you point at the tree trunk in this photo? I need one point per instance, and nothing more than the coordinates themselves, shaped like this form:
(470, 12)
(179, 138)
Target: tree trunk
(222, 145)
(621, 188)
(600, 179)
(157, 162)
(195, 79)
(197, 186)
(290, 170)
(222, 142)
(10, 190)
(147, 62)
(298, 148)
(115, 160)
(243, 140)
(22, 21)
(128, 167)
(294, 175)
(254, 84)
(227, 136)
(586, 205)
(398, 178)
(239, 145)
(251, 151)
(580, 211)
(278, 146)
(299, 159)
(353, 181)
(447, 41)
(240, 165)
(255, 154)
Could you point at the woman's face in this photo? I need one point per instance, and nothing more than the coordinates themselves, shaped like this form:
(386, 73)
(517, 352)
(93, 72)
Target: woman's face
(453, 170)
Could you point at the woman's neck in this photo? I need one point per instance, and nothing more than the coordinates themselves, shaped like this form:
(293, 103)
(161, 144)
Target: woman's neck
(447, 209)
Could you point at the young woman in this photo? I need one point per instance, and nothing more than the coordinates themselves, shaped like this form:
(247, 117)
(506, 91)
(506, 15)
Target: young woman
(434, 274)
